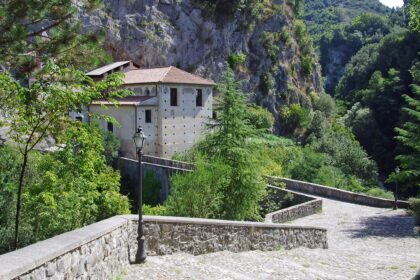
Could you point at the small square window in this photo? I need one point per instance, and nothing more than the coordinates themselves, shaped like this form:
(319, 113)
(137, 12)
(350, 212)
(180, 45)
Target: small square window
(199, 98)
(110, 127)
(148, 116)
(174, 97)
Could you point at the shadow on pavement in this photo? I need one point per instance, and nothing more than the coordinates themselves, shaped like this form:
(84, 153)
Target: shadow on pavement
(400, 225)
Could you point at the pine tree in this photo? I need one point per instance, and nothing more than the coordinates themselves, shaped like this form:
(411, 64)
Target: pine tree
(409, 137)
(31, 31)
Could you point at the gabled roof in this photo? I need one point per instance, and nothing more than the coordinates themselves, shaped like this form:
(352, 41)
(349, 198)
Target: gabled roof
(102, 70)
(169, 75)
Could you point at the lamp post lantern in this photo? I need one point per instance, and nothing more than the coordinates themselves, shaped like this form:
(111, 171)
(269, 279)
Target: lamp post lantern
(139, 139)
(397, 170)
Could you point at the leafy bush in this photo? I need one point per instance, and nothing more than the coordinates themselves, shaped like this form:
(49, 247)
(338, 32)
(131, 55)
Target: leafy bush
(64, 190)
(378, 192)
(158, 210)
(236, 59)
(199, 193)
(269, 42)
(267, 83)
(294, 118)
(260, 118)
(415, 208)
(111, 146)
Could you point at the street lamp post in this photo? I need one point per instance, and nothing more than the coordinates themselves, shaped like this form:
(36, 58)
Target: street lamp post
(139, 139)
(397, 170)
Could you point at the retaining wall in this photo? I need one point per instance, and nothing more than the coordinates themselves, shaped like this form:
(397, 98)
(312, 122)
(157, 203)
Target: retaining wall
(104, 249)
(334, 193)
(129, 174)
(304, 206)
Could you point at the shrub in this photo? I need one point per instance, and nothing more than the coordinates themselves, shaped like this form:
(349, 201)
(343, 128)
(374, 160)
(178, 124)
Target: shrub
(236, 59)
(260, 118)
(198, 193)
(158, 210)
(378, 192)
(111, 146)
(294, 117)
(269, 42)
(415, 207)
(267, 83)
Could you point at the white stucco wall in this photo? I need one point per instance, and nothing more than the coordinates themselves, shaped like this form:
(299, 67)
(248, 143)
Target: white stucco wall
(174, 129)
(125, 116)
(184, 124)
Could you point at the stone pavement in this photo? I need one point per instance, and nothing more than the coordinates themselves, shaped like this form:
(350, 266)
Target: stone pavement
(364, 243)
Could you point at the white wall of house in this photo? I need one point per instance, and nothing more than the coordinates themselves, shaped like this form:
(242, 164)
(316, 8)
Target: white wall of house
(126, 117)
(172, 129)
(182, 125)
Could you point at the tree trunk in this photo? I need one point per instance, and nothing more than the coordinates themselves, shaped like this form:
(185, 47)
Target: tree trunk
(18, 202)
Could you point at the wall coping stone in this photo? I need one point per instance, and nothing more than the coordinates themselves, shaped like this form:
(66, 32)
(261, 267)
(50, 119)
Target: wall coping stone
(354, 195)
(18, 262)
(158, 165)
(215, 222)
(312, 200)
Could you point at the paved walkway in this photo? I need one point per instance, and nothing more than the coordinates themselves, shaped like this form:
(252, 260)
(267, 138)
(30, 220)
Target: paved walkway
(364, 243)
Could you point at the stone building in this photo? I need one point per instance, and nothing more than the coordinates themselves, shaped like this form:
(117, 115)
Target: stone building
(171, 105)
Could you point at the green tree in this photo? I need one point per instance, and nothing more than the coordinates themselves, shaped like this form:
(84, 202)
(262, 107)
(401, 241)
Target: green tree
(228, 144)
(414, 15)
(199, 193)
(31, 31)
(294, 119)
(42, 109)
(409, 137)
(75, 186)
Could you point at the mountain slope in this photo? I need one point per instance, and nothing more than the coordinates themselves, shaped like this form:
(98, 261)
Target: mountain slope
(268, 48)
(320, 15)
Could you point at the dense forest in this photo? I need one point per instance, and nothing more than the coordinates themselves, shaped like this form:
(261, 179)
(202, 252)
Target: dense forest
(369, 59)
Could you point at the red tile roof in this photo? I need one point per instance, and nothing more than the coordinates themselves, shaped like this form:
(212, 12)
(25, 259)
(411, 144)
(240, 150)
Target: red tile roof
(170, 75)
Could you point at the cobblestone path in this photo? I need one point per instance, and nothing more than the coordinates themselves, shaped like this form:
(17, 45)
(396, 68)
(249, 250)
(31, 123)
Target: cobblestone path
(364, 243)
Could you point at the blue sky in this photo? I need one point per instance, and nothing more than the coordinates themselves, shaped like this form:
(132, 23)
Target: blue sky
(392, 3)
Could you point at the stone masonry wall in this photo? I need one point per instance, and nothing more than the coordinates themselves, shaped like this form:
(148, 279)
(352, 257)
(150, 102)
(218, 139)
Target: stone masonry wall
(167, 235)
(305, 205)
(342, 195)
(98, 251)
(104, 249)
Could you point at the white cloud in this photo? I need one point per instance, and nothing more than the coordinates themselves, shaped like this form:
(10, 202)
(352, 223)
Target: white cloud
(392, 3)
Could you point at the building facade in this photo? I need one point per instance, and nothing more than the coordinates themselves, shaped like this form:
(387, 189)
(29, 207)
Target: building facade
(171, 105)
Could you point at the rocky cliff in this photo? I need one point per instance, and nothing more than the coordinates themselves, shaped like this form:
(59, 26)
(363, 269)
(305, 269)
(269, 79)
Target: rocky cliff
(268, 48)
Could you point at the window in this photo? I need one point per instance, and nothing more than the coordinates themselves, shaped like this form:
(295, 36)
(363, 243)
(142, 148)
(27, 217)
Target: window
(148, 116)
(110, 127)
(79, 118)
(174, 97)
(199, 98)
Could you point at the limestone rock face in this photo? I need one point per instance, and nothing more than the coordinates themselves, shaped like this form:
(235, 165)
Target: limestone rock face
(185, 34)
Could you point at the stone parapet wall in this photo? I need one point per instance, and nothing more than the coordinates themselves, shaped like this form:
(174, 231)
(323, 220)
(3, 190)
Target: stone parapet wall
(97, 251)
(306, 205)
(168, 162)
(104, 249)
(167, 235)
(334, 193)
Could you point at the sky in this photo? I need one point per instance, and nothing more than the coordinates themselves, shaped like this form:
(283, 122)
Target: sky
(392, 3)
